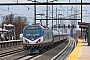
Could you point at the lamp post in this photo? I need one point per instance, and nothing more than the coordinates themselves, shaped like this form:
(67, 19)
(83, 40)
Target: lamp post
(59, 19)
(63, 25)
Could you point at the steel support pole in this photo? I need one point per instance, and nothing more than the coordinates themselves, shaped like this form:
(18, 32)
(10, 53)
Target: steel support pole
(52, 15)
(88, 35)
(35, 12)
(47, 15)
(56, 15)
(81, 18)
(58, 23)
(17, 1)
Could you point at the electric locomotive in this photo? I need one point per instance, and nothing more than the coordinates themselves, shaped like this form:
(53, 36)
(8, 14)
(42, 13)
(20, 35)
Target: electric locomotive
(36, 38)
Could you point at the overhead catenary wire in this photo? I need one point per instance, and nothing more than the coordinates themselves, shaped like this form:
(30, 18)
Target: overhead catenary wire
(27, 7)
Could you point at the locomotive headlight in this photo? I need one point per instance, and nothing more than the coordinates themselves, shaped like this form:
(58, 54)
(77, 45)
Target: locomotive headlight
(38, 41)
(26, 41)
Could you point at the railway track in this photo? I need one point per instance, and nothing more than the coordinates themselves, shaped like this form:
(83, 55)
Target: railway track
(49, 53)
(66, 51)
(62, 53)
(6, 52)
(34, 56)
(10, 51)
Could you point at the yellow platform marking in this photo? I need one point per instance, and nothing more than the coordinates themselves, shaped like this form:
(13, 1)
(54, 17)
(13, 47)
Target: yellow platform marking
(76, 53)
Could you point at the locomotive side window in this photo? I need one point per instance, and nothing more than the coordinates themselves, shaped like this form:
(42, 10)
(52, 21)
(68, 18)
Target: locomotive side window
(47, 35)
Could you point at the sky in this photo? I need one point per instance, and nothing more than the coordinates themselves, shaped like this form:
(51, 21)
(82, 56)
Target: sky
(22, 10)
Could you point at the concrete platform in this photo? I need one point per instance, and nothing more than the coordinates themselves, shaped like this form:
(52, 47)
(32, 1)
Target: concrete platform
(81, 51)
(85, 53)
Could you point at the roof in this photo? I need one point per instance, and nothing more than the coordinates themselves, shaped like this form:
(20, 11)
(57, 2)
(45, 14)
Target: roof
(4, 30)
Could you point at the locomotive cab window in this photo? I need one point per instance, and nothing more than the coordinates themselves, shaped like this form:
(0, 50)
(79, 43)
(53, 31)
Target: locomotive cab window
(33, 31)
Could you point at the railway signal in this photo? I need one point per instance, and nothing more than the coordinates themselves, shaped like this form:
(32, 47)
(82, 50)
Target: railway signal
(59, 26)
(68, 26)
(64, 26)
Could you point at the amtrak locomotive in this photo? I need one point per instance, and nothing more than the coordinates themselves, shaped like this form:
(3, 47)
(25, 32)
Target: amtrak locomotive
(36, 38)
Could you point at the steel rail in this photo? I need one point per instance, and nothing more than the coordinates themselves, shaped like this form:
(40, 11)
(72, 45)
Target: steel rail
(11, 52)
(38, 55)
(65, 51)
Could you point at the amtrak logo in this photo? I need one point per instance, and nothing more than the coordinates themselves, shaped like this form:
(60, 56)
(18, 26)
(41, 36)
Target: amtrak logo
(32, 39)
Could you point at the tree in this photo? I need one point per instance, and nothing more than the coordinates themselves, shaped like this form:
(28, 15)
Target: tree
(8, 19)
(18, 21)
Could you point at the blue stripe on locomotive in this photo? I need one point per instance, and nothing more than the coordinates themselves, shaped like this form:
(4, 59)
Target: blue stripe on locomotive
(41, 33)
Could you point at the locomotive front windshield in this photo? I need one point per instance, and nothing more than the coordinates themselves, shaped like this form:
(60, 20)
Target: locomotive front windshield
(33, 31)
